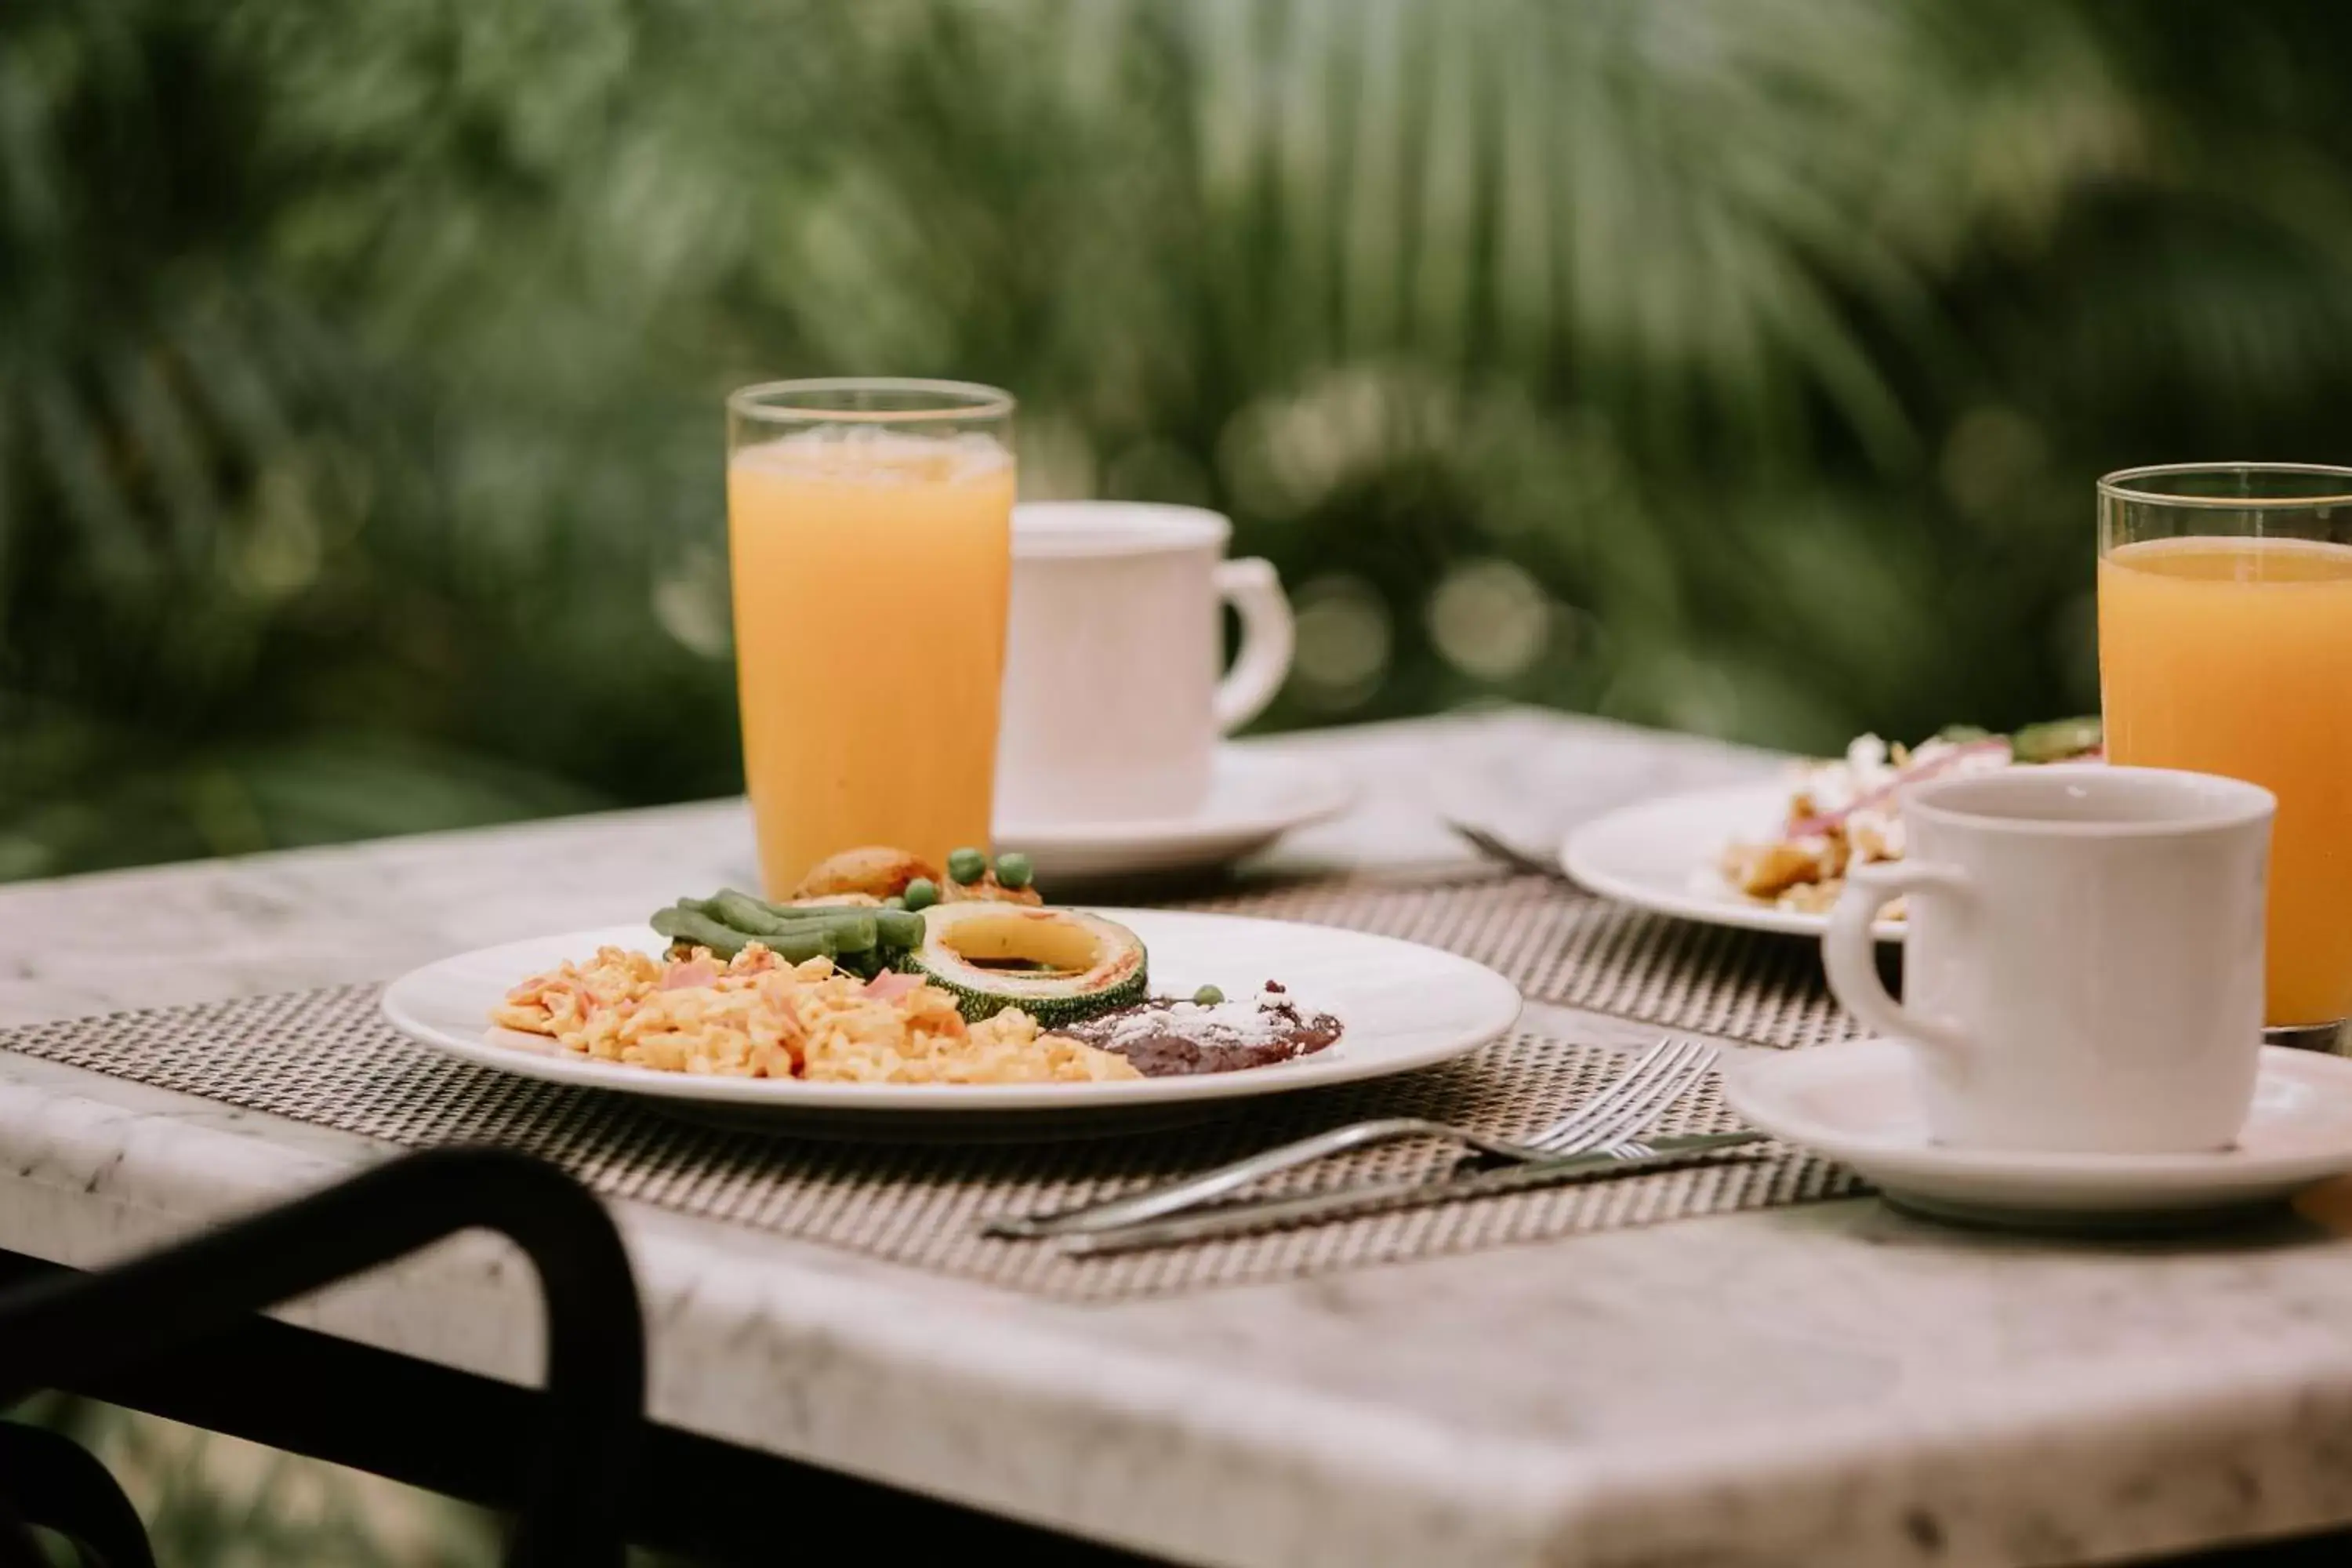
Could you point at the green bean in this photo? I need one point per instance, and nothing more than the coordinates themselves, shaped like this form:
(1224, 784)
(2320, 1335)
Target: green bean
(856, 932)
(681, 924)
(789, 913)
(800, 946)
(893, 927)
(795, 943)
(730, 920)
(865, 965)
(845, 928)
(745, 914)
(855, 924)
(796, 911)
(898, 928)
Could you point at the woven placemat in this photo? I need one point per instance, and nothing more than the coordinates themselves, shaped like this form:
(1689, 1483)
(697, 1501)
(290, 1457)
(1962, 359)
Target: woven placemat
(1561, 944)
(327, 1057)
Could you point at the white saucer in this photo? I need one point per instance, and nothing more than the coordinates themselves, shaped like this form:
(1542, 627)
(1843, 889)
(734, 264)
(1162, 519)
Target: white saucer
(1855, 1103)
(1254, 799)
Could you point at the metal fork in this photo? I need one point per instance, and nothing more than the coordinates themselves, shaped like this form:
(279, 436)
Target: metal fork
(1244, 1216)
(1664, 1075)
(1503, 852)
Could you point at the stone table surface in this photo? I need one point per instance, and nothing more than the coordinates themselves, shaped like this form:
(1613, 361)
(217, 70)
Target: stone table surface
(1816, 1386)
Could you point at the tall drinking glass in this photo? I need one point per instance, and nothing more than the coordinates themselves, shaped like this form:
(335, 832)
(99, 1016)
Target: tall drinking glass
(869, 529)
(2225, 646)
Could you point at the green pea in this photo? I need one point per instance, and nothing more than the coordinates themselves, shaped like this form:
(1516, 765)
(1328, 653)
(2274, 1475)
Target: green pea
(1207, 997)
(896, 902)
(1014, 871)
(967, 865)
(920, 894)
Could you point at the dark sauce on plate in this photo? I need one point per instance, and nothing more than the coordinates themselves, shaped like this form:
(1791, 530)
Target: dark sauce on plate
(1169, 1038)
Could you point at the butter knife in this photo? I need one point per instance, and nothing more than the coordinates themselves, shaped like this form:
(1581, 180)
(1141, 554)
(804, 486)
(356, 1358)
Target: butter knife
(1302, 1208)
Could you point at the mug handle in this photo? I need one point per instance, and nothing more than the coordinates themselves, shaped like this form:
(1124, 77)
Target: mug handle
(1250, 586)
(1850, 950)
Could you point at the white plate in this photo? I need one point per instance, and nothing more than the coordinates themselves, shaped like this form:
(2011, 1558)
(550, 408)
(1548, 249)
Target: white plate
(1661, 855)
(1253, 800)
(1855, 1103)
(1403, 1006)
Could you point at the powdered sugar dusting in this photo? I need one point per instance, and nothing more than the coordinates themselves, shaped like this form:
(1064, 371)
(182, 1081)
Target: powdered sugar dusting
(1261, 1020)
(1168, 1037)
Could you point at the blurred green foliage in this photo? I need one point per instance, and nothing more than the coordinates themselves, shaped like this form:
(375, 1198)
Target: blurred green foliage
(210, 1501)
(214, 1503)
(1739, 365)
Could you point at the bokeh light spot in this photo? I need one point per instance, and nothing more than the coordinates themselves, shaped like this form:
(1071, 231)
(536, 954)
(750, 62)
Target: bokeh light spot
(1990, 458)
(691, 603)
(1490, 619)
(1344, 641)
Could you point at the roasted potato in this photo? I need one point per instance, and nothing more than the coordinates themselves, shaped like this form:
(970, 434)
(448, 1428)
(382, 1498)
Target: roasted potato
(874, 870)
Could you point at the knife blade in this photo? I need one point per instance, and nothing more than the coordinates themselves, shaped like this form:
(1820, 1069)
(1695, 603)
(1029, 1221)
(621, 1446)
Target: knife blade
(1301, 1208)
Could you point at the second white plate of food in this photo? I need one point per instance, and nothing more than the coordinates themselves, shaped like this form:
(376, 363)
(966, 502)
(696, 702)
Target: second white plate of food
(1402, 1006)
(1664, 856)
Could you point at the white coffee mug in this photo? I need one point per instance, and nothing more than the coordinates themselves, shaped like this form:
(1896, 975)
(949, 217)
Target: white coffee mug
(1113, 701)
(2083, 956)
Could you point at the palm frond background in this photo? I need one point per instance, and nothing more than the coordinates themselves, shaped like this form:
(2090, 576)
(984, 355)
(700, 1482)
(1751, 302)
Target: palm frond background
(1740, 365)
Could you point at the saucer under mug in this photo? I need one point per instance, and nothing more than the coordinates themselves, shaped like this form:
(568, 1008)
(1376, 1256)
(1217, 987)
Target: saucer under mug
(1857, 1103)
(1253, 799)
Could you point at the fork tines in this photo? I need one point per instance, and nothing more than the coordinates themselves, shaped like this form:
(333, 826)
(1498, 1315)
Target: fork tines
(1662, 1074)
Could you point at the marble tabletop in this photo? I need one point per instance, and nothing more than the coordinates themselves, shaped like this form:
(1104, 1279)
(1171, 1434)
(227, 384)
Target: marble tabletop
(1818, 1386)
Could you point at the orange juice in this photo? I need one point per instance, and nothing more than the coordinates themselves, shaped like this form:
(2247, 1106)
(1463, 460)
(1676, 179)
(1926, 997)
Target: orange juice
(2235, 656)
(870, 573)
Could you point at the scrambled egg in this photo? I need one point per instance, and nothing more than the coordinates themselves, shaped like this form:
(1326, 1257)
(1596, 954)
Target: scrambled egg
(758, 1016)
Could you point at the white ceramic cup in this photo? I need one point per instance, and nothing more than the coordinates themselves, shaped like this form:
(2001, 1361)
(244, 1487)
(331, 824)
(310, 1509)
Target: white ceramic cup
(2083, 958)
(1113, 701)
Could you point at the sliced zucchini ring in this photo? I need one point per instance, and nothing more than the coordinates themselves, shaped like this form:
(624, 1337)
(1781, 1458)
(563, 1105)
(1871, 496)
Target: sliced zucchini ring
(1057, 965)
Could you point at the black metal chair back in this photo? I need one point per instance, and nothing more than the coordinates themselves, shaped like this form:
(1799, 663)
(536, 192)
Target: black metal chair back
(52, 1482)
(59, 1330)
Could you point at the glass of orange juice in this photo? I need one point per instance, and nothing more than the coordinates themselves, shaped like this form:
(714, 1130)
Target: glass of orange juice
(869, 534)
(2225, 646)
